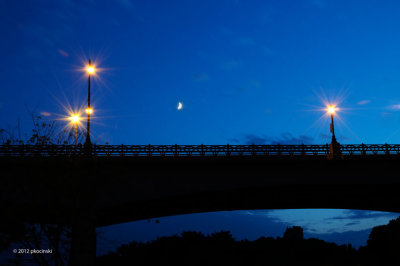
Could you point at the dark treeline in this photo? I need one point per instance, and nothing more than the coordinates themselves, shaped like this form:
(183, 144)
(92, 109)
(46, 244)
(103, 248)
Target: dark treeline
(194, 248)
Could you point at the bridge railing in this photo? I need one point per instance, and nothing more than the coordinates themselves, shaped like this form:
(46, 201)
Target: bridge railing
(208, 150)
(194, 150)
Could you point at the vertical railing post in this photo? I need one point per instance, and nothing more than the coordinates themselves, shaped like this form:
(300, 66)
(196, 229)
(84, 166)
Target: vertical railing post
(202, 149)
(149, 152)
(387, 149)
(122, 150)
(176, 150)
(227, 150)
(363, 149)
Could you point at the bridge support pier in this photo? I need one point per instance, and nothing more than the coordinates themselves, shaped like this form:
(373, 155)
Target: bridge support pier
(83, 245)
(83, 242)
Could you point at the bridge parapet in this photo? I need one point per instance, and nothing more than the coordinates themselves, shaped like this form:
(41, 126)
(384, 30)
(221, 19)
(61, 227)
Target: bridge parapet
(195, 150)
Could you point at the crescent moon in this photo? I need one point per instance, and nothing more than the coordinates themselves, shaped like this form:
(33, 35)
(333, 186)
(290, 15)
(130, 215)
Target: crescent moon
(180, 106)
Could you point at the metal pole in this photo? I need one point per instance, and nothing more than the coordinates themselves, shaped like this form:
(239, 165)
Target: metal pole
(88, 142)
(334, 146)
(76, 133)
(333, 130)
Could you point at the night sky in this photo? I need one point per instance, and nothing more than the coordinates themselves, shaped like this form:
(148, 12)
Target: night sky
(245, 72)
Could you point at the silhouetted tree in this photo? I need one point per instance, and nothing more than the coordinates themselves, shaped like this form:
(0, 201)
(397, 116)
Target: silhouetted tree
(383, 245)
(23, 235)
(294, 233)
(193, 248)
(44, 131)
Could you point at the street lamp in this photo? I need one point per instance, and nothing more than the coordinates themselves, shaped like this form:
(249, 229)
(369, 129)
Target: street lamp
(75, 120)
(90, 70)
(331, 111)
(334, 146)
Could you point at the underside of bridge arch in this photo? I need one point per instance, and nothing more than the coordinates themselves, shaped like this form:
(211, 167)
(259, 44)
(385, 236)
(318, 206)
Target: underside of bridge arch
(361, 197)
(116, 190)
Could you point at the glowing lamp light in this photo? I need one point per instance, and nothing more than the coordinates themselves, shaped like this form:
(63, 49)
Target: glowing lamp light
(90, 69)
(89, 111)
(331, 109)
(75, 118)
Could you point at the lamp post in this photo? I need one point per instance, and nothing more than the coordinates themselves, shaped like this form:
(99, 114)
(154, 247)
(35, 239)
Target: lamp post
(334, 146)
(75, 120)
(88, 144)
(332, 110)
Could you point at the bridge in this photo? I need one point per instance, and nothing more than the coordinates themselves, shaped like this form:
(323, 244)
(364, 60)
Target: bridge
(115, 184)
(55, 177)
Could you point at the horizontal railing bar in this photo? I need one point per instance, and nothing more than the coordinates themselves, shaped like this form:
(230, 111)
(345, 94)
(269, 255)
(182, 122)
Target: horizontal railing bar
(194, 150)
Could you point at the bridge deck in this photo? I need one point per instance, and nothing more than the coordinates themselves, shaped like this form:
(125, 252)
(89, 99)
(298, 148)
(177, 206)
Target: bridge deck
(140, 187)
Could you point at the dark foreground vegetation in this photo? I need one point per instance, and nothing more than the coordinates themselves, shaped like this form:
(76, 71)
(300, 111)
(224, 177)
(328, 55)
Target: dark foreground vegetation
(194, 248)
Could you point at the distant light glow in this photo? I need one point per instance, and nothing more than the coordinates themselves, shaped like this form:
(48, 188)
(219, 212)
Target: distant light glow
(89, 110)
(75, 118)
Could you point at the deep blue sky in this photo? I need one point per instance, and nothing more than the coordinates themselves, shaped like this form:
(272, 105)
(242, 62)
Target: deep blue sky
(245, 71)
